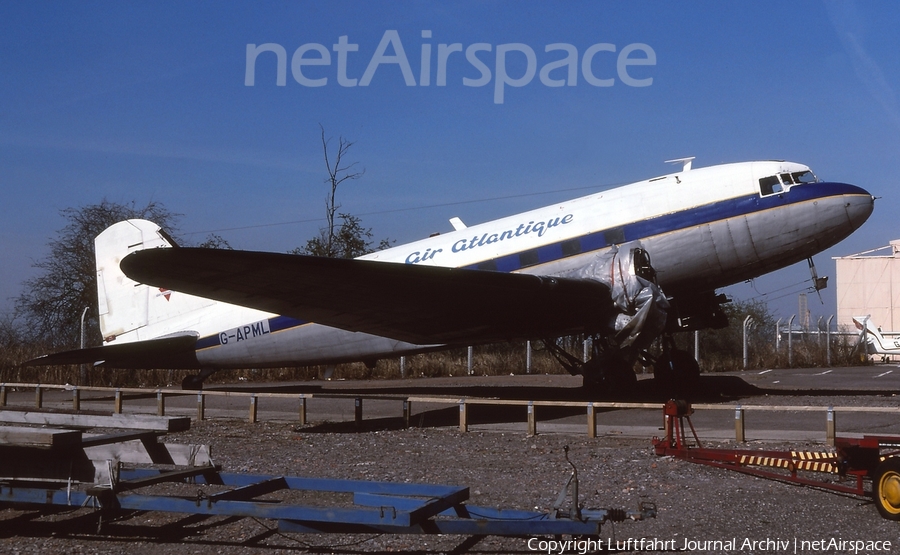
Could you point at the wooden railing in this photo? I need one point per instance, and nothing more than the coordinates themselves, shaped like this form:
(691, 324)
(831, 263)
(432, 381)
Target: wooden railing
(118, 396)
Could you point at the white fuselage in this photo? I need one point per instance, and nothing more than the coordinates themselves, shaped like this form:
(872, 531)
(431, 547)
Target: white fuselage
(704, 228)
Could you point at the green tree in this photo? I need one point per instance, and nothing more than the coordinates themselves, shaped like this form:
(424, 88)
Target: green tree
(350, 240)
(51, 304)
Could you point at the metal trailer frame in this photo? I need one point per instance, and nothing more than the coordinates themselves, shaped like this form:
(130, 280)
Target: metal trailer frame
(47, 468)
(870, 458)
(381, 507)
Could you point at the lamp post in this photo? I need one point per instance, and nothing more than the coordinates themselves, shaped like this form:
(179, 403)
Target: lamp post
(82, 373)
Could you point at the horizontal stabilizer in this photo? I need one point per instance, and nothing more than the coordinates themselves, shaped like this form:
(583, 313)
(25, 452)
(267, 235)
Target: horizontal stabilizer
(167, 352)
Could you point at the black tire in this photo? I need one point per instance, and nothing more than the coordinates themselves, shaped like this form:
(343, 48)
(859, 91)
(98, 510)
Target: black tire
(621, 377)
(192, 383)
(886, 488)
(610, 375)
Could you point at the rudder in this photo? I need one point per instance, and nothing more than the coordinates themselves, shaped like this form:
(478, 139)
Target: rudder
(130, 311)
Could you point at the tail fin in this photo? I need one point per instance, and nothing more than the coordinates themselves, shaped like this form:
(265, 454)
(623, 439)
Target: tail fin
(130, 311)
(875, 341)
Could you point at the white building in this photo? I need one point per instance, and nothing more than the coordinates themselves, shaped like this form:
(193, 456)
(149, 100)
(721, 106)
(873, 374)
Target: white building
(869, 283)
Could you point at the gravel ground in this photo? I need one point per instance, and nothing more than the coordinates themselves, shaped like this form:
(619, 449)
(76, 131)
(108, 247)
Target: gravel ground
(502, 469)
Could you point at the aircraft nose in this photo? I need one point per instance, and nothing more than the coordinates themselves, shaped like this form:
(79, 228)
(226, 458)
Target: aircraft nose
(859, 204)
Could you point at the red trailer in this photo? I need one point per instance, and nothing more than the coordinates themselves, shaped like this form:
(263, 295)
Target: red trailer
(857, 460)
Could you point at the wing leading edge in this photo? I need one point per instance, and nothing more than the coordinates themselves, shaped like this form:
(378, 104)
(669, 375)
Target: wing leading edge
(416, 304)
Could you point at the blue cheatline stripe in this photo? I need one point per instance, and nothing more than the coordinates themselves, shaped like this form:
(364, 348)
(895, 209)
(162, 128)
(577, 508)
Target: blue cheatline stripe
(666, 223)
(641, 229)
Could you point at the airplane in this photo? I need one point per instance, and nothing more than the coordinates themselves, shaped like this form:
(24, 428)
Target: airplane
(581, 266)
(876, 343)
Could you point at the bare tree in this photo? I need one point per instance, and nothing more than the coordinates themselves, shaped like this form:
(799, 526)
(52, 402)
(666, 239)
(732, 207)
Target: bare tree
(350, 239)
(338, 172)
(215, 241)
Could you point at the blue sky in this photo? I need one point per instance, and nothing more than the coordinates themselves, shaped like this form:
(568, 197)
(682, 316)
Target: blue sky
(139, 102)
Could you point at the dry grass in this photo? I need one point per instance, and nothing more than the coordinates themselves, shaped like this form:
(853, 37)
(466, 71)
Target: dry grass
(488, 360)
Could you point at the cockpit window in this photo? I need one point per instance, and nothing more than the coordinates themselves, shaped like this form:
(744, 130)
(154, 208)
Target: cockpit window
(805, 177)
(770, 185)
(780, 183)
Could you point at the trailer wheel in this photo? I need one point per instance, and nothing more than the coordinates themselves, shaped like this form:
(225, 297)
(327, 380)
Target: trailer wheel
(886, 488)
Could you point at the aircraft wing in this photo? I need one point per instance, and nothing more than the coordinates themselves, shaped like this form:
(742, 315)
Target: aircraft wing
(416, 304)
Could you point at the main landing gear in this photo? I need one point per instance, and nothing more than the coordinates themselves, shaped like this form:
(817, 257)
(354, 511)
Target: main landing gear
(194, 382)
(611, 370)
(608, 370)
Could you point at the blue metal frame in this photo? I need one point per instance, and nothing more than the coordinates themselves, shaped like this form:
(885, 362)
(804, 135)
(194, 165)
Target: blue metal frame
(383, 507)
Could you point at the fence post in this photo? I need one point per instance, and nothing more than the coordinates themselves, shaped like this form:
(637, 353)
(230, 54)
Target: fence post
(532, 420)
(697, 346)
(76, 398)
(118, 403)
(201, 407)
(778, 335)
(160, 403)
(528, 357)
(791, 341)
(591, 420)
(739, 424)
(829, 427)
(407, 412)
(2, 395)
(38, 397)
(253, 407)
(357, 411)
(747, 322)
(302, 410)
(828, 340)
(470, 364)
(402, 367)
(463, 416)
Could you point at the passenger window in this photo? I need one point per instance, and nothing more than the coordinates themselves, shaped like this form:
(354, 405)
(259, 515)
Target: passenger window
(528, 258)
(571, 247)
(614, 236)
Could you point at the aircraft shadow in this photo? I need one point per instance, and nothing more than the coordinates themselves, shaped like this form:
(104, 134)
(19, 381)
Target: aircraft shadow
(710, 389)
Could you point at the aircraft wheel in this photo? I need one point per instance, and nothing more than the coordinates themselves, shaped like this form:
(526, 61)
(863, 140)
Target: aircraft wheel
(192, 382)
(886, 488)
(610, 375)
(621, 376)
